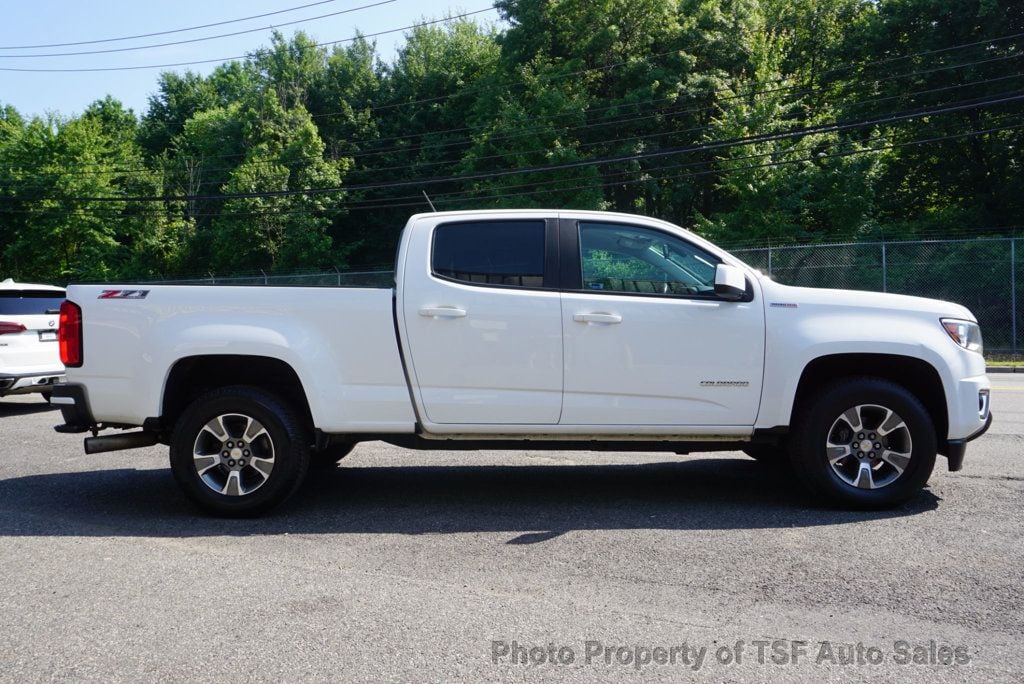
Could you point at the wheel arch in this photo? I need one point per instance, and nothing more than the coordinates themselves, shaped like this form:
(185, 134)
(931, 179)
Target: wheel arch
(918, 376)
(192, 376)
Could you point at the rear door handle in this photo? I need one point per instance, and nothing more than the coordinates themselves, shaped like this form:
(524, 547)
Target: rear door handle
(442, 312)
(597, 318)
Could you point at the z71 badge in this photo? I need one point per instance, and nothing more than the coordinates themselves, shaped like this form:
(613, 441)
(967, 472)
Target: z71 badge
(123, 294)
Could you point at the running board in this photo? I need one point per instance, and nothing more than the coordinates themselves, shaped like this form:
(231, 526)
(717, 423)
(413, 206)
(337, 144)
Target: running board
(128, 440)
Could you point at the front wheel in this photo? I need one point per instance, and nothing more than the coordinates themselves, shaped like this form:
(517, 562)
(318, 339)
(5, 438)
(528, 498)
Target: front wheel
(865, 443)
(239, 451)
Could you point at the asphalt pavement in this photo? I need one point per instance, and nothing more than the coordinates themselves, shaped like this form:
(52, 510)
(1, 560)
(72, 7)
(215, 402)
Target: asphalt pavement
(518, 566)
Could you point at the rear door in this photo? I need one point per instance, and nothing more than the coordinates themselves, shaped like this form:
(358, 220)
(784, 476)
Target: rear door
(28, 330)
(646, 340)
(482, 320)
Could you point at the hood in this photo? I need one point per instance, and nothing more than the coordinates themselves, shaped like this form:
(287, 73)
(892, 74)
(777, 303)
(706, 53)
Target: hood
(779, 295)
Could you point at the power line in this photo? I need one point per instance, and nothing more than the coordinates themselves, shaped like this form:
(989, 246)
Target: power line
(809, 158)
(165, 33)
(362, 204)
(529, 131)
(204, 38)
(613, 65)
(618, 121)
(814, 130)
(695, 129)
(764, 137)
(833, 127)
(725, 170)
(606, 67)
(673, 97)
(706, 162)
(595, 143)
(628, 139)
(650, 174)
(237, 57)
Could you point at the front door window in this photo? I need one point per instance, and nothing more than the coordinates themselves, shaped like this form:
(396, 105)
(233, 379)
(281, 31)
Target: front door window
(619, 258)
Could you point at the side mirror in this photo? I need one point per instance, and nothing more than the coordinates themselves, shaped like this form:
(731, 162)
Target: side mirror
(730, 283)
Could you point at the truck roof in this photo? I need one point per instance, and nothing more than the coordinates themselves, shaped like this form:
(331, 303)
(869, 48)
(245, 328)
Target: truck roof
(534, 212)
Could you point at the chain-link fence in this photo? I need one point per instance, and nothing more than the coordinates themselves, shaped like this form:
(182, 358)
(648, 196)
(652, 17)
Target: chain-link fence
(983, 274)
(337, 278)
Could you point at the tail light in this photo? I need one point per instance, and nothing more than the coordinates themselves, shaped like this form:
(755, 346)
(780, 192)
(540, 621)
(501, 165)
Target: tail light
(69, 334)
(8, 328)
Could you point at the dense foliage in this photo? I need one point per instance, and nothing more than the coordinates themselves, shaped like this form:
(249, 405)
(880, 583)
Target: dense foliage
(713, 114)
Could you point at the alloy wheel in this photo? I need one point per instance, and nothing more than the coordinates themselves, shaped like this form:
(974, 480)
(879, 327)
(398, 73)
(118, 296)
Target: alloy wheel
(869, 446)
(233, 454)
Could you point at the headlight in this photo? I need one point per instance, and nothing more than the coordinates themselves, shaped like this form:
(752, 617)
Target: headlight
(965, 333)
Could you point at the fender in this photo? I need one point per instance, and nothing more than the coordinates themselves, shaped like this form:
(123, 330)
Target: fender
(803, 332)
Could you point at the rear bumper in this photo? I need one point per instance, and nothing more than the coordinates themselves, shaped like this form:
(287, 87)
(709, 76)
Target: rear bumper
(23, 383)
(74, 406)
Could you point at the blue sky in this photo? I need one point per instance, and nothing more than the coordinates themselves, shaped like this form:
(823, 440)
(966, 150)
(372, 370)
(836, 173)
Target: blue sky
(64, 21)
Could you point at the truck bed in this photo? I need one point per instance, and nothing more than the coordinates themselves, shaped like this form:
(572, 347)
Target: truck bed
(344, 338)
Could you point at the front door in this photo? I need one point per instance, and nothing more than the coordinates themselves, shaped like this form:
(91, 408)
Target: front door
(646, 340)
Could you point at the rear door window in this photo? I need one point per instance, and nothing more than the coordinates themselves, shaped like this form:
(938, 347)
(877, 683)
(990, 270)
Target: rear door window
(502, 253)
(30, 302)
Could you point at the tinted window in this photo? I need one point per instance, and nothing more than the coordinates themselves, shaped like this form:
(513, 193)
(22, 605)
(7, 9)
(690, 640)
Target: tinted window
(621, 258)
(491, 252)
(29, 302)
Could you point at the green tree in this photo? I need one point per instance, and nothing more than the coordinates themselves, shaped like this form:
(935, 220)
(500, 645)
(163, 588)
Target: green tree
(962, 182)
(63, 180)
(793, 189)
(284, 154)
(424, 113)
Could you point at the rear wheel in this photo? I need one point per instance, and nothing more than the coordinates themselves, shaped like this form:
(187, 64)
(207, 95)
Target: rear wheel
(865, 443)
(239, 451)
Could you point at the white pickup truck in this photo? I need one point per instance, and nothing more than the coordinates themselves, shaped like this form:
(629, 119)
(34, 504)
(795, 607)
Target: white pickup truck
(527, 329)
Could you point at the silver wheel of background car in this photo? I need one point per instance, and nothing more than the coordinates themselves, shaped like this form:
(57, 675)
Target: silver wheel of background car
(869, 446)
(233, 454)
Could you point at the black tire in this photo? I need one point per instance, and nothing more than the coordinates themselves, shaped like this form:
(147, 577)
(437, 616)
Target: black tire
(284, 440)
(769, 454)
(331, 455)
(820, 420)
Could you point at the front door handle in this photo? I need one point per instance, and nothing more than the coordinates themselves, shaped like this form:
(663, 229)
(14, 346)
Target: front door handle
(443, 312)
(595, 317)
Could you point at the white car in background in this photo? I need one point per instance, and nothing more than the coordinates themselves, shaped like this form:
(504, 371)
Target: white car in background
(29, 355)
